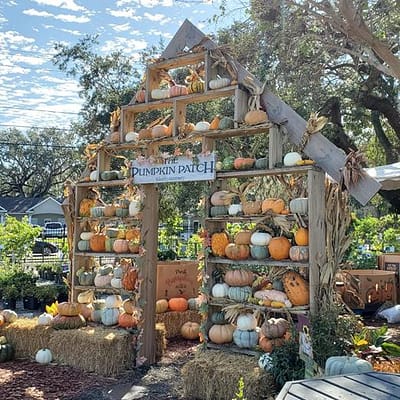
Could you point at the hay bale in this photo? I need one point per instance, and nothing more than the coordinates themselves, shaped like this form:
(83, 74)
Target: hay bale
(99, 349)
(161, 341)
(214, 375)
(173, 321)
(26, 336)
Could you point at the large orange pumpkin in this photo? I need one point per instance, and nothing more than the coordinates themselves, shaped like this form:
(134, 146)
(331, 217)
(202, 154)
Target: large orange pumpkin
(97, 242)
(219, 241)
(237, 251)
(279, 247)
(301, 237)
(178, 304)
(273, 204)
(239, 277)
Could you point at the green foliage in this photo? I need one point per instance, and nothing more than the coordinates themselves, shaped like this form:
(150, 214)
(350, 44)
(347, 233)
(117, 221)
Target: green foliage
(193, 247)
(376, 234)
(16, 238)
(239, 395)
(14, 281)
(286, 363)
(332, 333)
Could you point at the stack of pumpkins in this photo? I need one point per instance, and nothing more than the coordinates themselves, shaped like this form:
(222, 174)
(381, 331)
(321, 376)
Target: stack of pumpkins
(120, 312)
(122, 276)
(273, 333)
(68, 316)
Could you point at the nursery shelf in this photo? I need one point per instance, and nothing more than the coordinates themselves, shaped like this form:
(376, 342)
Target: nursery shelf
(266, 262)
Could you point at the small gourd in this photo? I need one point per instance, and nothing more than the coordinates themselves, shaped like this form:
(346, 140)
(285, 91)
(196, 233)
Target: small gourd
(45, 319)
(255, 117)
(161, 306)
(291, 159)
(43, 356)
(131, 137)
(159, 94)
(301, 237)
(219, 83)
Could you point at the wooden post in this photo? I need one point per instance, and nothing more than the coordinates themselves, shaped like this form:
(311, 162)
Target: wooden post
(275, 146)
(317, 232)
(149, 272)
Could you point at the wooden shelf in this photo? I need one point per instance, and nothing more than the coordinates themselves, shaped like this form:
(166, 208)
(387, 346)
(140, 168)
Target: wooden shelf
(103, 289)
(128, 220)
(249, 173)
(248, 218)
(243, 130)
(223, 302)
(266, 262)
(188, 99)
(106, 254)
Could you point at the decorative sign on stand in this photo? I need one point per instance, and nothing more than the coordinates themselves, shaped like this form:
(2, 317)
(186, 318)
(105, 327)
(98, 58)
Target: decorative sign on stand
(174, 169)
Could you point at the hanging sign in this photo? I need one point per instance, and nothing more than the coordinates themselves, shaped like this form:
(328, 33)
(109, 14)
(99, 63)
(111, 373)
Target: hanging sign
(174, 169)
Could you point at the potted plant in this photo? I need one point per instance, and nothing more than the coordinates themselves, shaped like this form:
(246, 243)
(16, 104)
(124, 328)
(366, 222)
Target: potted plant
(10, 295)
(29, 298)
(46, 294)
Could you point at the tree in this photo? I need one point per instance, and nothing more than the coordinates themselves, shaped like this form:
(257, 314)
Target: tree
(106, 82)
(36, 163)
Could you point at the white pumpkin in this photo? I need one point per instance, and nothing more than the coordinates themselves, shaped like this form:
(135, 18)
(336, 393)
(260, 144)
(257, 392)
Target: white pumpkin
(113, 301)
(299, 205)
(86, 297)
(260, 238)
(94, 176)
(45, 319)
(291, 159)
(219, 83)
(202, 126)
(134, 207)
(116, 283)
(159, 94)
(131, 137)
(109, 316)
(246, 322)
(220, 290)
(9, 315)
(86, 235)
(235, 209)
(44, 356)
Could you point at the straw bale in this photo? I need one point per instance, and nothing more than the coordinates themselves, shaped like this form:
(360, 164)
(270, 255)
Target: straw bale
(173, 321)
(26, 336)
(161, 341)
(214, 375)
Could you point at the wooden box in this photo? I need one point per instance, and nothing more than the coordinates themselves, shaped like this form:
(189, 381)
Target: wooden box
(391, 262)
(177, 279)
(375, 286)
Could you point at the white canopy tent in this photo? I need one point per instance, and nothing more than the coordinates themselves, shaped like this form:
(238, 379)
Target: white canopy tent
(387, 175)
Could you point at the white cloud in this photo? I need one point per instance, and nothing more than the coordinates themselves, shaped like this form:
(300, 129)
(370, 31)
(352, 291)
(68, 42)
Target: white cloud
(161, 18)
(125, 44)
(155, 3)
(121, 28)
(14, 38)
(61, 17)
(67, 4)
(128, 12)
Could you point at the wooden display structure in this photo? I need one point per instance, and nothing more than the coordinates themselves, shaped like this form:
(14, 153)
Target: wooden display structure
(176, 55)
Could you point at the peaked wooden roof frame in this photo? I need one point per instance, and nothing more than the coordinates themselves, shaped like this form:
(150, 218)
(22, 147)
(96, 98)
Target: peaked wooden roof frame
(326, 155)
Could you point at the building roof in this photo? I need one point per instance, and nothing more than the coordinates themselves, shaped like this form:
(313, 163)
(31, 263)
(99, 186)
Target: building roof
(21, 205)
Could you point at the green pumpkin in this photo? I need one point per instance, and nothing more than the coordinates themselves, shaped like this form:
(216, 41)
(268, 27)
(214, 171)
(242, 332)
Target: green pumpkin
(261, 163)
(84, 245)
(95, 315)
(259, 252)
(245, 339)
(109, 175)
(6, 352)
(86, 278)
(226, 123)
(218, 318)
(216, 211)
(97, 212)
(193, 304)
(239, 293)
(105, 269)
(121, 212)
(109, 244)
(109, 316)
(227, 163)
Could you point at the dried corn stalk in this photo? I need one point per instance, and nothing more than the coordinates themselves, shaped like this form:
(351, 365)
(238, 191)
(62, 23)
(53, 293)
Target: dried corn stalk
(314, 124)
(353, 169)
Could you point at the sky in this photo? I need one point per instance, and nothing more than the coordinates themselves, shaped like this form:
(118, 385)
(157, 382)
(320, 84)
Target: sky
(33, 92)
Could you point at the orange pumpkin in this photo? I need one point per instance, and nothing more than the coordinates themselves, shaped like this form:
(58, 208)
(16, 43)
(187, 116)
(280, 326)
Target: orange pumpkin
(145, 134)
(129, 306)
(255, 117)
(85, 205)
(239, 277)
(129, 279)
(215, 122)
(243, 237)
(126, 320)
(170, 128)
(178, 304)
(237, 251)
(279, 247)
(97, 242)
(132, 234)
(121, 246)
(159, 131)
(190, 330)
(221, 333)
(269, 344)
(243, 163)
(273, 204)
(251, 207)
(86, 310)
(219, 241)
(301, 237)
(109, 210)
